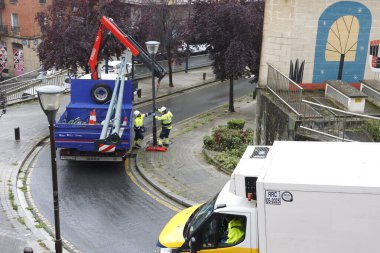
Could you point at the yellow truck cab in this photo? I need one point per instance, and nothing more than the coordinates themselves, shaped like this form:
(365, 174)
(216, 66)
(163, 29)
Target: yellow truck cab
(291, 197)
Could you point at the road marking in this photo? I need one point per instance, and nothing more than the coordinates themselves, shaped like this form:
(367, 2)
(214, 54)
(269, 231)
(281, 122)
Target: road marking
(134, 180)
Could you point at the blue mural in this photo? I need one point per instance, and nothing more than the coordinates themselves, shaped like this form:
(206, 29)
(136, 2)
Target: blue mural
(350, 65)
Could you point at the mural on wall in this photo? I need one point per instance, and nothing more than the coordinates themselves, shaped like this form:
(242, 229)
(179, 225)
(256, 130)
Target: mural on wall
(18, 59)
(374, 59)
(342, 42)
(3, 59)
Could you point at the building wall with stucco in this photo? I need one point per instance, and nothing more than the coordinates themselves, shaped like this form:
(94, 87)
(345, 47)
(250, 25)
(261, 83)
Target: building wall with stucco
(335, 39)
(20, 36)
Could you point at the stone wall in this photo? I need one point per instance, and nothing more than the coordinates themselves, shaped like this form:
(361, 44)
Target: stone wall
(273, 122)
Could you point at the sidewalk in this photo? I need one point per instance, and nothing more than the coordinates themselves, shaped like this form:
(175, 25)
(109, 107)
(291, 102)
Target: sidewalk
(182, 165)
(182, 172)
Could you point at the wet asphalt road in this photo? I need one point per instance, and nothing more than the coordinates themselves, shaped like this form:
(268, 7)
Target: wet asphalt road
(101, 209)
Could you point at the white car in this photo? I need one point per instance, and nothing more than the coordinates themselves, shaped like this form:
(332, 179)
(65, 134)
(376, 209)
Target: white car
(114, 66)
(194, 49)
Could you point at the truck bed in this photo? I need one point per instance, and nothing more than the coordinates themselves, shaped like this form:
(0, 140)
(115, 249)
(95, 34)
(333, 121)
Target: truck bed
(73, 130)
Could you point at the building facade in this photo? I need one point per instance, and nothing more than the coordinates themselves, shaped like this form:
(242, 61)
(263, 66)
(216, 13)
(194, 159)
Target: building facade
(19, 35)
(336, 39)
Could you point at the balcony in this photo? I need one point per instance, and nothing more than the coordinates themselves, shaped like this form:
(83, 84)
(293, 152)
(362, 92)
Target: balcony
(3, 29)
(15, 29)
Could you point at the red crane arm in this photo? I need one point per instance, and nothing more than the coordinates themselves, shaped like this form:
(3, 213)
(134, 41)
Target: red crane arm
(128, 42)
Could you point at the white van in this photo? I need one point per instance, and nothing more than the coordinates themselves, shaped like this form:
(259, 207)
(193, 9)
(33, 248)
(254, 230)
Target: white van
(293, 197)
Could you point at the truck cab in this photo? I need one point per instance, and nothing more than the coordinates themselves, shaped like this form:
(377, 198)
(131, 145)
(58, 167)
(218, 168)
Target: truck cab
(204, 228)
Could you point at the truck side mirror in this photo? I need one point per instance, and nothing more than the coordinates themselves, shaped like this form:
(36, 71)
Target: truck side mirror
(193, 245)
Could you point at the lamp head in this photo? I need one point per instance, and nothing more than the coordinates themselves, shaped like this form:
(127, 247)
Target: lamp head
(50, 100)
(152, 46)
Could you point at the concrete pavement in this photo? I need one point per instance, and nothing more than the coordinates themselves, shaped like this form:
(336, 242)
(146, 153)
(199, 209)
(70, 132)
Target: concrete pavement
(182, 165)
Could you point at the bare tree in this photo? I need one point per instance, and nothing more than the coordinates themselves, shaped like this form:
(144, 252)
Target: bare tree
(342, 41)
(233, 29)
(165, 22)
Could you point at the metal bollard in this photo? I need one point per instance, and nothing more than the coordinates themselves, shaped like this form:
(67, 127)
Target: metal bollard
(204, 76)
(28, 250)
(17, 133)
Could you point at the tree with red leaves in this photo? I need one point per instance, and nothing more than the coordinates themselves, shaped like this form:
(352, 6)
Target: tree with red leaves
(69, 29)
(233, 29)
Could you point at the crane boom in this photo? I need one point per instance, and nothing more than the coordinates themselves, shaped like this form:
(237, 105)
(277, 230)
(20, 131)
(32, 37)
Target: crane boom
(128, 41)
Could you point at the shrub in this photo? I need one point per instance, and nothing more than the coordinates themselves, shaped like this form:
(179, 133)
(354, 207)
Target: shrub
(227, 161)
(236, 124)
(209, 142)
(230, 141)
(374, 129)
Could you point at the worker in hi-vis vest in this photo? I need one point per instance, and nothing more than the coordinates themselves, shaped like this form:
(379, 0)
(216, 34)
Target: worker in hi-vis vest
(139, 127)
(166, 125)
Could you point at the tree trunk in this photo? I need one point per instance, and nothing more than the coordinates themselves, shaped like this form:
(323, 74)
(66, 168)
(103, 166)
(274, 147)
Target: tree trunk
(170, 67)
(341, 63)
(231, 104)
(170, 73)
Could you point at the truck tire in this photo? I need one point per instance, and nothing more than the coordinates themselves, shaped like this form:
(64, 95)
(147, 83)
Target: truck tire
(101, 93)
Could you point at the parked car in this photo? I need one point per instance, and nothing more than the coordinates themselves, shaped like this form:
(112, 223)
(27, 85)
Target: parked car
(114, 66)
(195, 49)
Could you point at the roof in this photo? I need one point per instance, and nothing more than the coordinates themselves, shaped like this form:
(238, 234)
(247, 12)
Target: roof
(332, 165)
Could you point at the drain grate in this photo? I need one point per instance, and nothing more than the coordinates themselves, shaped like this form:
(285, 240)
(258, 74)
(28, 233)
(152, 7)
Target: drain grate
(260, 152)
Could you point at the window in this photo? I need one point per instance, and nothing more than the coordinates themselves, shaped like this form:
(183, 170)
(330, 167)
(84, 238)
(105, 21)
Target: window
(215, 232)
(13, 1)
(14, 20)
(42, 1)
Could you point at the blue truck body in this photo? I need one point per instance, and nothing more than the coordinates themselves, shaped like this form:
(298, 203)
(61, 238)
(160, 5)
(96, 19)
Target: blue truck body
(76, 137)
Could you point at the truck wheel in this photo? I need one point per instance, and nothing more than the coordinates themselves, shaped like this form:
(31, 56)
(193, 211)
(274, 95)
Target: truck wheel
(101, 93)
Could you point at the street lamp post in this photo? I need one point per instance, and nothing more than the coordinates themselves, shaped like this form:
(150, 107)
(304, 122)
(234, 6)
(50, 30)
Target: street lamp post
(49, 97)
(152, 47)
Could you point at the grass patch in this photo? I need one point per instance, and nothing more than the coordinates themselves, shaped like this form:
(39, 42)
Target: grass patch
(42, 244)
(11, 197)
(14, 163)
(23, 188)
(21, 220)
(40, 223)
(29, 208)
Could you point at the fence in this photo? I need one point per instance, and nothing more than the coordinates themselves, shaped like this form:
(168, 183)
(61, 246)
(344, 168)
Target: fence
(336, 123)
(23, 87)
(28, 89)
(285, 89)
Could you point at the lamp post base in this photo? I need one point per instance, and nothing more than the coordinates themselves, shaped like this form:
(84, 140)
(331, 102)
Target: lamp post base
(156, 148)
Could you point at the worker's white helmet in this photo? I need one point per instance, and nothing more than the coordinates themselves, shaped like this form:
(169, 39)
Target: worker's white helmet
(163, 109)
(136, 113)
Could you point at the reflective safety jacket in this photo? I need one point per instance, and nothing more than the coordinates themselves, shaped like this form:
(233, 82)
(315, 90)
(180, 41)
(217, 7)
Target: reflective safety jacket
(139, 122)
(235, 231)
(166, 120)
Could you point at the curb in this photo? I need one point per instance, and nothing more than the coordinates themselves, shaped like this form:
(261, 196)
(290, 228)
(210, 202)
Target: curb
(165, 191)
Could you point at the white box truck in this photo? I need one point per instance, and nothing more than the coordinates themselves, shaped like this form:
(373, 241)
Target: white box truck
(292, 197)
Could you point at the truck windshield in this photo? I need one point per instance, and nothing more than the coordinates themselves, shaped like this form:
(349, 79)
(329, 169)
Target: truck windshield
(201, 215)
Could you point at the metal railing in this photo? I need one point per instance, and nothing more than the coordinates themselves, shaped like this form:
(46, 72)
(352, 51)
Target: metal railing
(24, 77)
(28, 89)
(3, 29)
(289, 92)
(15, 29)
(336, 123)
(23, 87)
